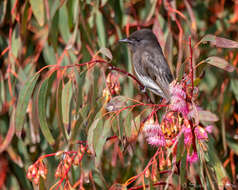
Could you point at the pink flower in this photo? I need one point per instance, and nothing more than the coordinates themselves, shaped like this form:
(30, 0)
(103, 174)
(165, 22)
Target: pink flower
(209, 128)
(178, 99)
(200, 133)
(193, 158)
(154, 135)
(151, 129)
(157, 140)
(188, 136)
(177, 90)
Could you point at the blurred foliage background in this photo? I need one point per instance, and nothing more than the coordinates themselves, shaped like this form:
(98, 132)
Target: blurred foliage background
(48, 103)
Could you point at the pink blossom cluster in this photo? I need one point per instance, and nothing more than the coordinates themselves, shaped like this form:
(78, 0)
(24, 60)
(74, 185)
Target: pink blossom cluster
(201, 134)
(154, 135)
(178, 99)
(157, 134)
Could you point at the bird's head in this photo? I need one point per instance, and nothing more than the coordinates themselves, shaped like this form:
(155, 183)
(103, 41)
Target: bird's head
(140, 38)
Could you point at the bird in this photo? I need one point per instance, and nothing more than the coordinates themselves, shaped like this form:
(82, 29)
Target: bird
(149, 63)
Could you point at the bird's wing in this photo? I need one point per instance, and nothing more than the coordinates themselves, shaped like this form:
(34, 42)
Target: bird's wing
(156, 67)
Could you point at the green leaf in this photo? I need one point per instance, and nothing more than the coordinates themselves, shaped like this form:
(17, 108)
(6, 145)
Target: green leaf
(106, 52)
(215, 162)
(96, 88)
(24, 18)
(100, 28)
(168, 51)
(59, 110)
(76, 128)
(91, 133)
(42, 185)
(98, 178)
(3, 8)
(42, 110)
(232, 144)
(54, 6)
(16, 41)
(23, 101)
(103, 2)
(49, 54)
(219, 42)
(118, 7)
(183, 167)
(38, 10)
(181, 72)
(2, 89)
(54, 32)
(128, 122)
(10, 134)
(205, 115)
(102, 132)
(152, 9)
(137, 123)
(80, 78)
(117, 103)
(234, 88)
(63, 23)
(129, 90)
(180, 148)
(66, 99)
(220, 63)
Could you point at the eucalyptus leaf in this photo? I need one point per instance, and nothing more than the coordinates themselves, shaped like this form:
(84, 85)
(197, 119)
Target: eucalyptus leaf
(23, 101)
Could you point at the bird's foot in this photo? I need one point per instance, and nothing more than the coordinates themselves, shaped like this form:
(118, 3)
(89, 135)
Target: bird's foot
(143, 89)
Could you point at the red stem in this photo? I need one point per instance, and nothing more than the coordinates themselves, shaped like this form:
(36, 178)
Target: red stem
(191, 65)
(154, 185)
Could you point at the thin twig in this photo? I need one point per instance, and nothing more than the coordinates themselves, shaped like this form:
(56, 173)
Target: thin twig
(191, 65)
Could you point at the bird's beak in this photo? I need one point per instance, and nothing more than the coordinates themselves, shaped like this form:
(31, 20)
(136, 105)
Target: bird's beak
(126, 40)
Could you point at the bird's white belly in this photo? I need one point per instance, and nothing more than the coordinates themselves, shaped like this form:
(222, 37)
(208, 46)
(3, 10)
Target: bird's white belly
(149, 83)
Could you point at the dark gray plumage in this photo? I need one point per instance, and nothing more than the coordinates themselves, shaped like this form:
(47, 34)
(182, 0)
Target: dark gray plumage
(149, 62)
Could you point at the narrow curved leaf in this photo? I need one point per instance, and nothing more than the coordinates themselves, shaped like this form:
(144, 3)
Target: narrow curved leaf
(3, 7)
(38, 10)
(63, 23)
(234, 87)
(76, 128)
(151, 11)
(66, 99)
(231, 142)
(42, 111)
(10, 133)
(23, 100)
(216, 164)
(128, 122)
(102, 133)
(207, 116)
(192, 15)
(100, 28)
(219, 42)
(59, 110)
(168, 51)
(16, 41)
(180, 148)
(106, 52)
(220, 63)
(116, 103)
(183, 167)
(91, 134)
(15, 157)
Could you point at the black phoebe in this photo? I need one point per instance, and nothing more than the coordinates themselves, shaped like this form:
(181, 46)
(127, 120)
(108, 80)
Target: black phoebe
(149, 62)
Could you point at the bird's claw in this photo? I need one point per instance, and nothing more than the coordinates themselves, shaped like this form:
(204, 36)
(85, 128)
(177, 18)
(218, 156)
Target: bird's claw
(143, 89)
